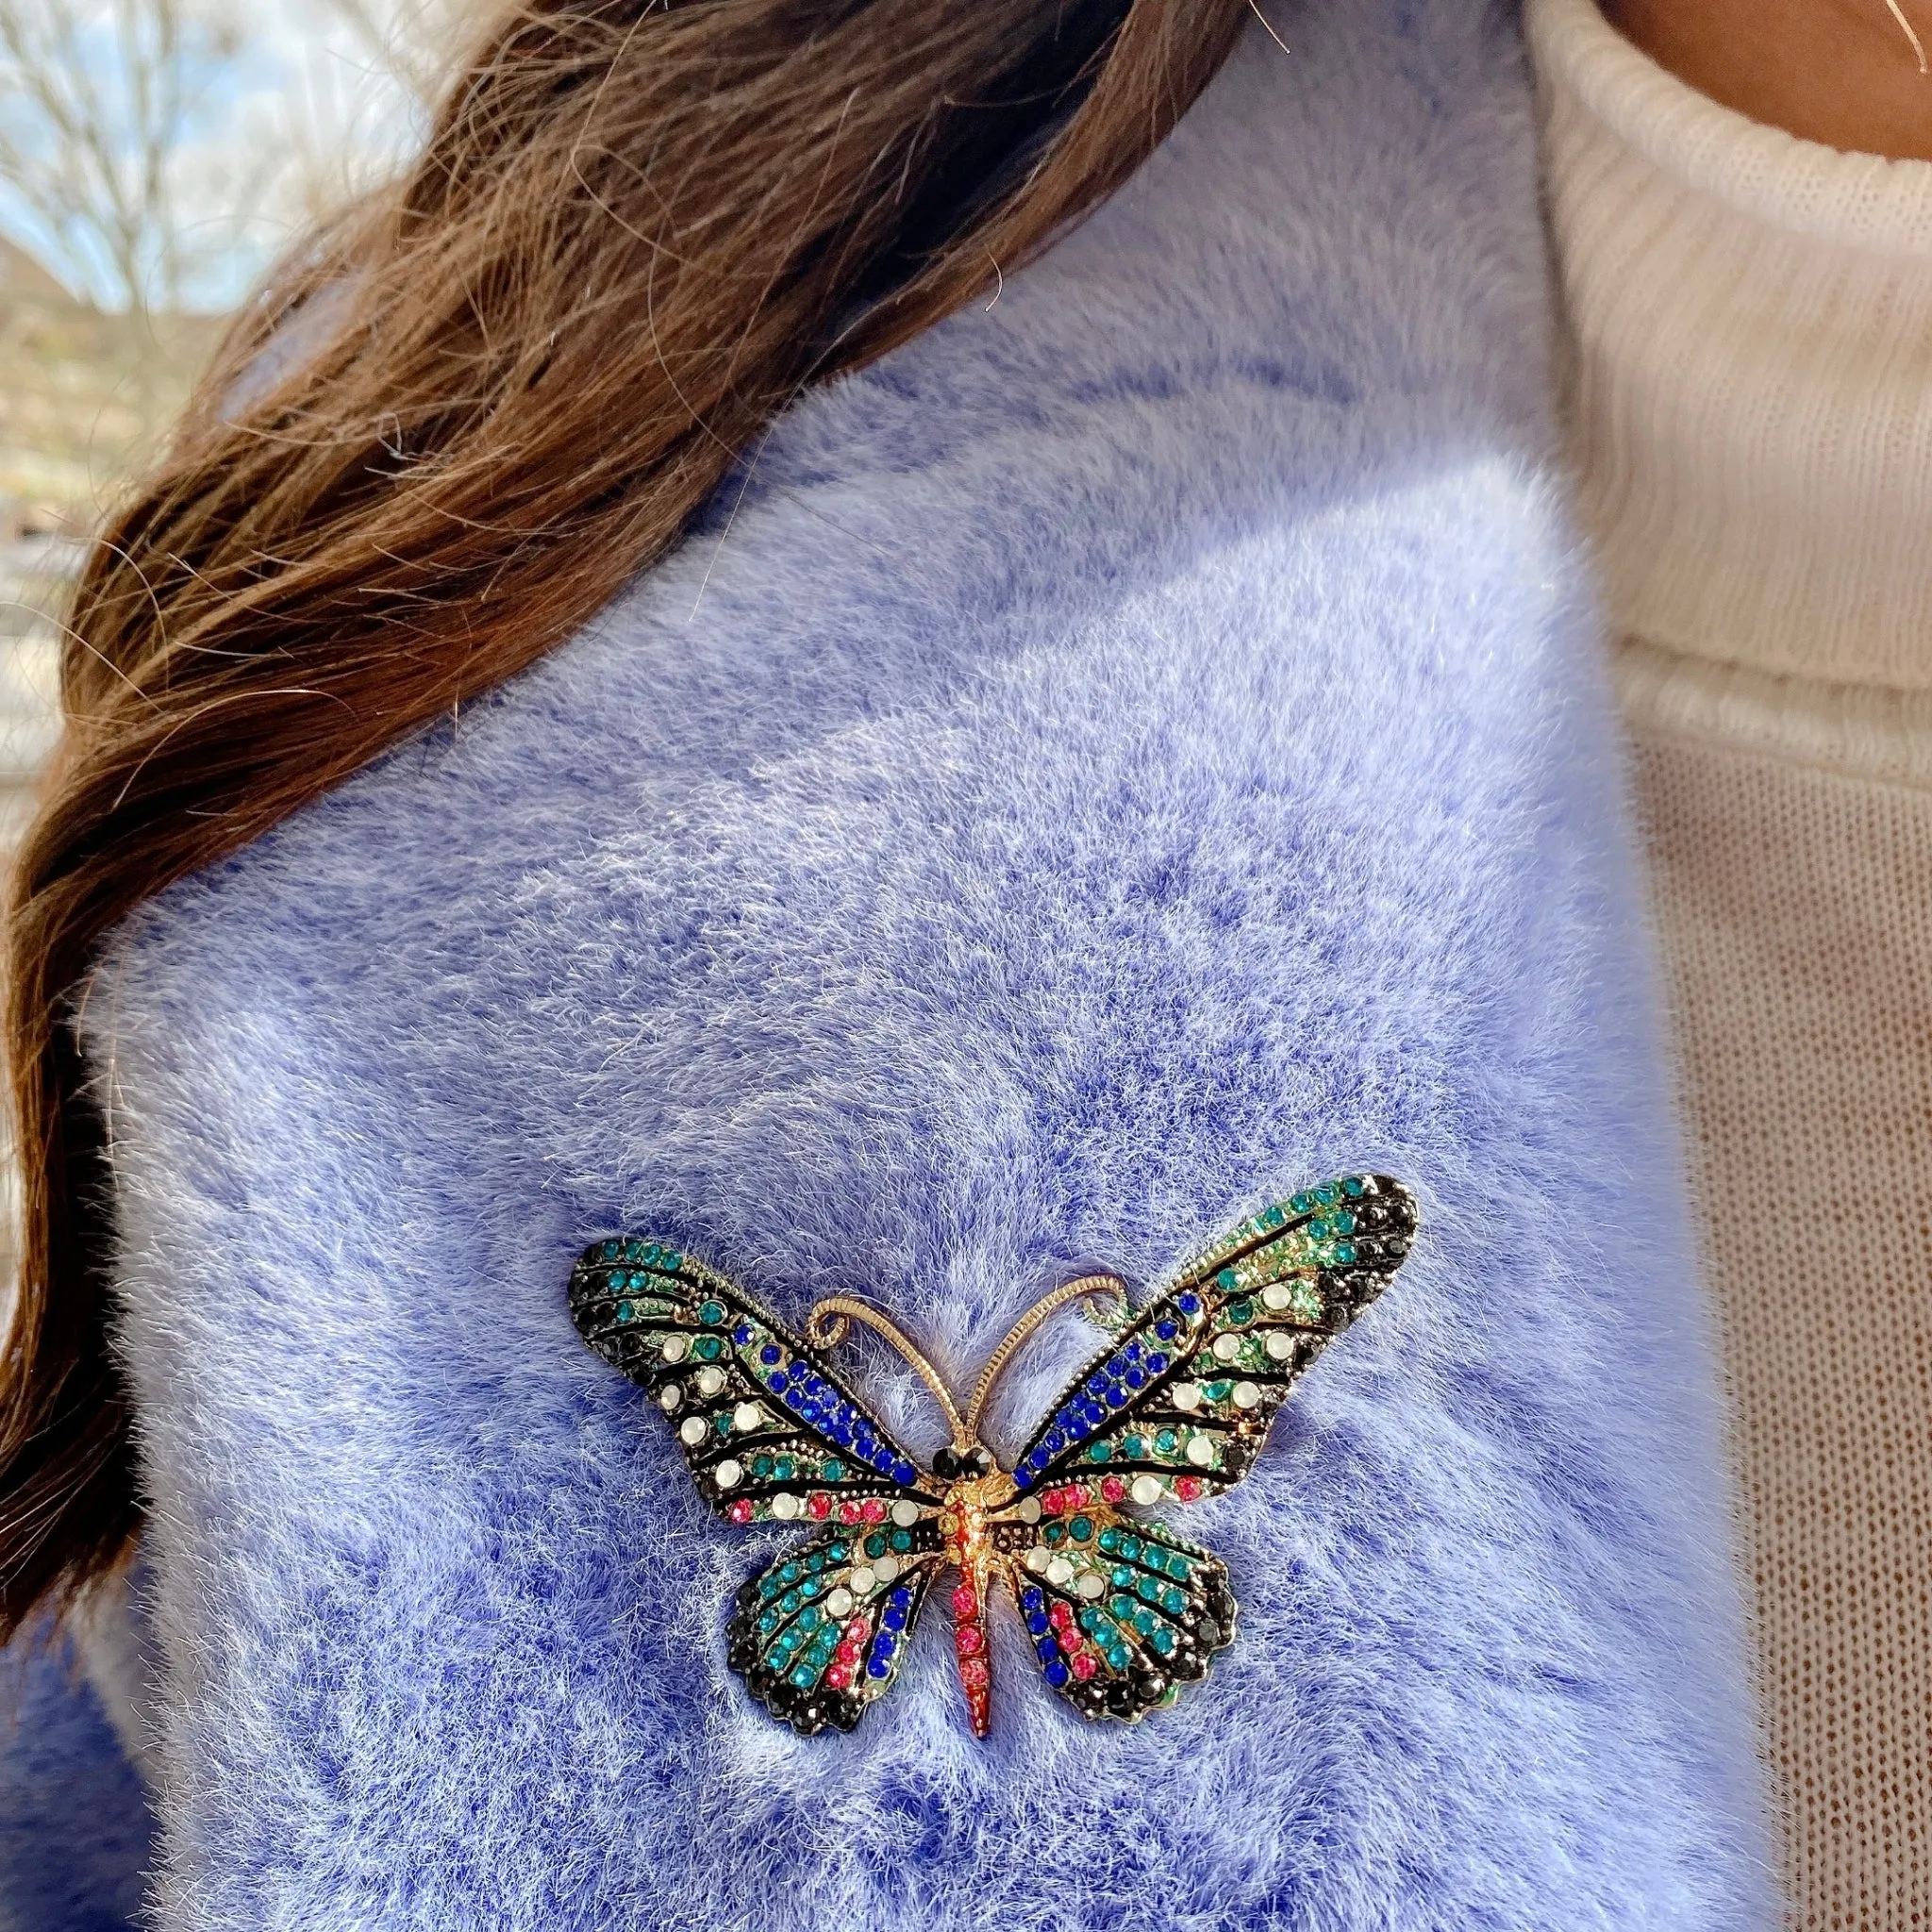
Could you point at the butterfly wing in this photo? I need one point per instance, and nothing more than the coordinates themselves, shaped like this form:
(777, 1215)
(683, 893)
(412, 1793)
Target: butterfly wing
(769, 1433)
(1178, 1407)
(1122, 1613)
(820, 1636)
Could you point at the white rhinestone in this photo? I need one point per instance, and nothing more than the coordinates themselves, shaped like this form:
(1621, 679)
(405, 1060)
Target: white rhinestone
(904, 1514)
(1147, 1489)
(1246, 1395)
(839, 1603)
(727, 1474)
(1201, 1451)
(1274, 1296)
(1029, 1508)
(1092, 1585)
(674, 1346)
(669, 1397)
(1227, 1347)
(1038, 1558)
(862, 1580)
(709, 1380)
(785, 1506)
(1279, 1346)
(693, 1429)
(1186, 1396)
(1059, 1571)
(747, 1417)
(887, 1569)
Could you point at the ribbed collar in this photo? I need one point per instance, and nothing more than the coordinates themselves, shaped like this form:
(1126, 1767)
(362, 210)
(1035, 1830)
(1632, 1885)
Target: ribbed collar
(1751, 318)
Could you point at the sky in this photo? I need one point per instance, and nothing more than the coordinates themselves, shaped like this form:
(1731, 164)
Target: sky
(297, 109)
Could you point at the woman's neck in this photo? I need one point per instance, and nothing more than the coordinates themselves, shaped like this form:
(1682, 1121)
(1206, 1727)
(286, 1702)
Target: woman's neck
(1842, 72)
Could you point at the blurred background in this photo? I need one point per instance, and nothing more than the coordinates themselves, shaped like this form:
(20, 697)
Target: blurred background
(155, 156)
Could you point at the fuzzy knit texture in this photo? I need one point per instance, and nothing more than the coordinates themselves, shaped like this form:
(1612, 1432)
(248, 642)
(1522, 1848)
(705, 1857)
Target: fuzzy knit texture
(1751, 317)
(1141, 747)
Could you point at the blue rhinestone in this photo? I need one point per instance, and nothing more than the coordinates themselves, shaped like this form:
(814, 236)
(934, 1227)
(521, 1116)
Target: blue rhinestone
(1117, 1396)
(882, 1461)
(1031, 1600)
(1039, 1622)
(1056, 1674)
(1132, 1350)
(778, 1383)
(877, 1667)
(742, 1334)
(884, 1644)
(902, 1596)
(1116, 1368)
(1023, 1477)
(1156, 1364)
(1166, 1330)
(1189, 1304)
(770, 1354)
(1096, 1384)
(1048, 1650)
(1055, 1438)
(894, 1618)
(904, 1472)
(1094, 1414)
(1136, 1378)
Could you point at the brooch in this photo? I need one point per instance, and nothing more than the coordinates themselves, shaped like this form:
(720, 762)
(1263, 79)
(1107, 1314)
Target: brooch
(1122, 1611)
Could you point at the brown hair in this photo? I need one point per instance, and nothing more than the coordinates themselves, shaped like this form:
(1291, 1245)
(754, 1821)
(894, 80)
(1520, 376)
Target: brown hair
(637, 231)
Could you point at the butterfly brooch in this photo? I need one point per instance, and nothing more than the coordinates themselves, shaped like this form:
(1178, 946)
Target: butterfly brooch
(1122, 1611)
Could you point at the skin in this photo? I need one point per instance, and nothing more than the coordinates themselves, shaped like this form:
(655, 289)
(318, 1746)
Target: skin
(1840, 71)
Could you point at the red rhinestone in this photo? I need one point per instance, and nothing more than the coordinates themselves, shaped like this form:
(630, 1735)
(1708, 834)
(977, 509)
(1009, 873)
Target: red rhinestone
(849, 1512)
(848, 1653)
(1080, 1496)
(968, 1640)
(741, 1511)
(1084, 1665)
(972, 1673)
(965, 1604)
(873, 1509)
(1187, 1489)
(1061, 1614)
(819, 1504)
(837, 1677)
(1114, 1489)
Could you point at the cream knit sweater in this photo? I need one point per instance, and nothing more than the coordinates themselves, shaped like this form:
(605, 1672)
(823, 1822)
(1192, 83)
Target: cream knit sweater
(1751, 318)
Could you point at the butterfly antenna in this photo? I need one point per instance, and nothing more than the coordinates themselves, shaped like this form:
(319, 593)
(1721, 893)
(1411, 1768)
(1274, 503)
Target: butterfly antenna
(1107, 1292)
(827, 1324)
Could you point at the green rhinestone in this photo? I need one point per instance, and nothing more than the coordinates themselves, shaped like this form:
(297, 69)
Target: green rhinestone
(1343, 1221)
(634, 1250)
(1275, 1217)
(1130, 1547)
(1177, 1568)
(707, 1348)
(1173, 1602)
(761, 1468)
(902, 1540)
(1344, 1252)
(1218, 1391)
(1240, 1313)
(1053, 1532)
(1122, 1607)
(1228, 1279)
(1147, 1590)
(811, 1586)
(769, 1588)
(782, 1469)
(805, 1676)
(816, 1561)
(836, 1553)
(1146, 1622)
(669, 1257)
(1133, 1447)
(789, 1602)
(710, 1313)
(1080, 1528)
(722, 1424)
(646, 1255)
(1318, 1229)
(769, 1622)
(1109, 1540)
(1167, 1441)
(1123, 1577)
(808, 1619)
(791, 1573)
(1120, 1656)
(1098, 1452)
(624, 1312)
(1090, 1621)
(1164, 1640)
(1354, 1186)
(875, 1544)
(1300, 1204)
(1326, 1193)
(834, 1470)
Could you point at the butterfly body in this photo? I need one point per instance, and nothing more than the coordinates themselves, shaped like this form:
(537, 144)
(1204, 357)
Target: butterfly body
(1120, 1609)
